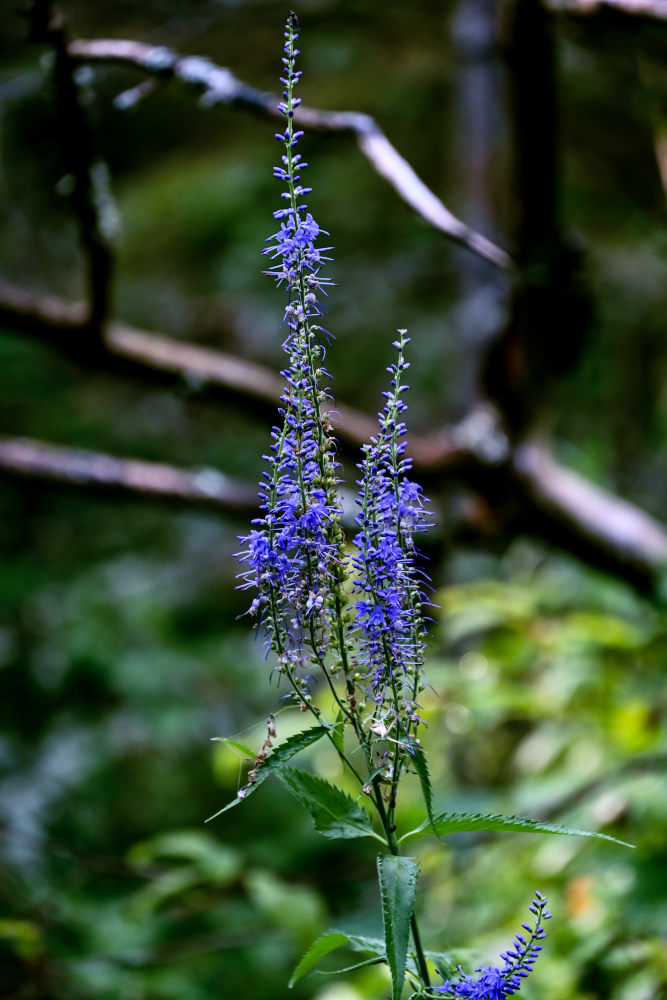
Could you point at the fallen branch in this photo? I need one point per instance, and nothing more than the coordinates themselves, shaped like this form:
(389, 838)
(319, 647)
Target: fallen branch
(549, 500)
(219, 86)
(597, 525)
(29, 459)
(651, 9)
(63, 326)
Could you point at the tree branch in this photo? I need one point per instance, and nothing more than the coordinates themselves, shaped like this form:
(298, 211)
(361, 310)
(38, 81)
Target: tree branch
(37, 460)
(220, 86)
(650, 9)
(63, 326)
(554, 502)
(597, 525)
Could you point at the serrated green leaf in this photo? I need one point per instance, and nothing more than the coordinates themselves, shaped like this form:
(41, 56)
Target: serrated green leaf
(398, 884)
(421, 767)
(318, 949)
(292, 746)
(334, 813)
(456, 822)
(358, 942)
(330, 942)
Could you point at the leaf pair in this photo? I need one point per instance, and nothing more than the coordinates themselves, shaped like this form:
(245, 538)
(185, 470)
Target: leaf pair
(279, 757)
(335, 814)
(398, 881)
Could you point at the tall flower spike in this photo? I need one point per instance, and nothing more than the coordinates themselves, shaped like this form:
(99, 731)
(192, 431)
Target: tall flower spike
(293, 553)
(388, 625)
(494, 983)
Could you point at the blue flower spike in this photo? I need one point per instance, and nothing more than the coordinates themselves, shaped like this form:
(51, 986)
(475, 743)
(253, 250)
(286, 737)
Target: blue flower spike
(294, 552)
(388, 625)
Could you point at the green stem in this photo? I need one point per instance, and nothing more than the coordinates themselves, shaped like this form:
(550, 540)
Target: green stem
(311, 708)
(421, 958)
(394, 849)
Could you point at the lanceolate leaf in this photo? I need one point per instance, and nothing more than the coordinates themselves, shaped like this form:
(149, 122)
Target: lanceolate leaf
(274, 763)
(419, 761)
(398, 883)
(358, 942)
(334, 813)
(241, 747)
(337, 939)
(323, 945)
(456, 822)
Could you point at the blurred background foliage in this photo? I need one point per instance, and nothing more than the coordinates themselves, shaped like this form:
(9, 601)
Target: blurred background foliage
(121, 652)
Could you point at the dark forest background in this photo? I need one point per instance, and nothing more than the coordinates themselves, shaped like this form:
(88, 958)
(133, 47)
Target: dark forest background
(538, 409)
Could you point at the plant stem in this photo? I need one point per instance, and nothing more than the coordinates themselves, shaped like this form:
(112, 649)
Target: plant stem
(394, 849)
(421, 958)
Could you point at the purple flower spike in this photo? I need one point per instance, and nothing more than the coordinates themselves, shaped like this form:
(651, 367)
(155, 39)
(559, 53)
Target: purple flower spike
(293, 554)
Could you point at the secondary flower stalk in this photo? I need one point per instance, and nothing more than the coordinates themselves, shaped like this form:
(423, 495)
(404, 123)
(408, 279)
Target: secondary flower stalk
(388, 626)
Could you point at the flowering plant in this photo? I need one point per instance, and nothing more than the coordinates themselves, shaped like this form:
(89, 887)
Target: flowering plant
(353, 624)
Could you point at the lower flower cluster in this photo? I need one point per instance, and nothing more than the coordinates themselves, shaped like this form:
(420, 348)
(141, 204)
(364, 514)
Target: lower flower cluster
(494, 983)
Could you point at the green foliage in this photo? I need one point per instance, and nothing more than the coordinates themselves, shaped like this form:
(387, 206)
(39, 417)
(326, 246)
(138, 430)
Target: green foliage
(398, 884)
(334, 813)
(421, 767)
(201, 862)
(333, 940)
(455, 822)
(279, 757)
(119, 655)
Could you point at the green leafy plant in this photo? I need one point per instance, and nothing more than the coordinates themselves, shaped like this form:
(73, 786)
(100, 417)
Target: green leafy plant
(353, 622)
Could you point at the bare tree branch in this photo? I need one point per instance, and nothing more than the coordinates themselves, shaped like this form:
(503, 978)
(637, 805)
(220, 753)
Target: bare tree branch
(29, 459)
(617, 532)
(63, 326)
(651, 9)
(548, 499)
(220, 86)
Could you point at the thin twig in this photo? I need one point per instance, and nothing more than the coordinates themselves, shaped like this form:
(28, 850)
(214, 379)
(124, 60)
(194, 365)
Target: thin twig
(218, 85)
